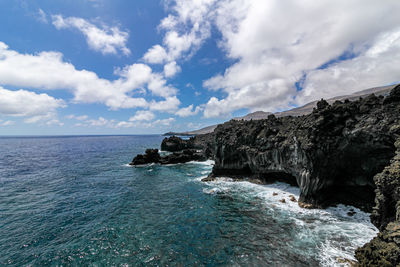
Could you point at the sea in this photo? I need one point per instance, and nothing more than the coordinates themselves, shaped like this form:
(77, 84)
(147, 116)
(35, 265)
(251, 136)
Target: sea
(75, 201)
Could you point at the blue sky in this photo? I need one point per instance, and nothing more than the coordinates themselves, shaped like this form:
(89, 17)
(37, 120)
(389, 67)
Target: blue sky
(137, 67)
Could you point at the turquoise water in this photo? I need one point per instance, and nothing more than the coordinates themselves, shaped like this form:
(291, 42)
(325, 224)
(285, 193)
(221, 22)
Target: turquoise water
(75, 201)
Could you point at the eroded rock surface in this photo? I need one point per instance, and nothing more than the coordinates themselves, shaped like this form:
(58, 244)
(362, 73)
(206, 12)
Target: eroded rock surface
(384, 250)
(332, 154)
(152, 156)
(203, 142)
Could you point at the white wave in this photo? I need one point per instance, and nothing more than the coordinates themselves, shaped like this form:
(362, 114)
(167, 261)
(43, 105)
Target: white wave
(208, 162)
(143, 165)
(337, 232)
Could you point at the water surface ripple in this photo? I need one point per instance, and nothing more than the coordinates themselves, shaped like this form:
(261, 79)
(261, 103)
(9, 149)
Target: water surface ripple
(74, 201)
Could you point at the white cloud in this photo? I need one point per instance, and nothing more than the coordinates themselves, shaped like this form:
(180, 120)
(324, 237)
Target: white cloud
(171, 69)
(164, 122)
(107, 40)
(41, 16)
(142, 115)
(373, 67)
(48, 70)
(156, 55)
(101, 122)
(188, 111)
(185, 31)
(170, 104)
(79, 118)
(7, 123)
(36, 107)
(275, 43)
(115, 124)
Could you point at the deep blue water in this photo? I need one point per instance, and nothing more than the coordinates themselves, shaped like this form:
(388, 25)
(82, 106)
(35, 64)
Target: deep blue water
(74, 201)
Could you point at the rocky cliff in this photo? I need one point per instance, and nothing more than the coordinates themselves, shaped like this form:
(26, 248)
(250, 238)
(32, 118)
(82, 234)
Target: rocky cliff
(340, 153)
(332, 154)
(384, 250)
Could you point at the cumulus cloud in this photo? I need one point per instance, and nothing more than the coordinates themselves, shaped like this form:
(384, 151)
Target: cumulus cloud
(142, 115)
(277, 43)
(156, 55)
(48, 70)
(170, 104)
(136, 123)
(171, 69)
(186, 28)
(107, 40)
(188, 111)
(375, 66)
(35, 107)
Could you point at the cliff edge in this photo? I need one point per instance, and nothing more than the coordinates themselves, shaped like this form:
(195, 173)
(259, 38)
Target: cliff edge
(347, 152)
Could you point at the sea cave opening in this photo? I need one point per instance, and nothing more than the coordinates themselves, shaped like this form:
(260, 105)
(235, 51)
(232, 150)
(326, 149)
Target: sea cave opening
(279, 176)
(350, 181)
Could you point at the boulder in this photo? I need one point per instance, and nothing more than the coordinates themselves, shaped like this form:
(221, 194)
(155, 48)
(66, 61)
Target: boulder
(150, 156)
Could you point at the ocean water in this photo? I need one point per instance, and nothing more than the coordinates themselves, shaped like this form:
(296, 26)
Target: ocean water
(75, 201)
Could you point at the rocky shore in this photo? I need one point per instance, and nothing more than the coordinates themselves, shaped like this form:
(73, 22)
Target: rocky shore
(347, 152)
(199, 148)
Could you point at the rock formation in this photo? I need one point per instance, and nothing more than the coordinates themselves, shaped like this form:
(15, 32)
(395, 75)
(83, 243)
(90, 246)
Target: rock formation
(340, 153)
(203, 142)
(384, 250)
(332, 154)
(152, 156)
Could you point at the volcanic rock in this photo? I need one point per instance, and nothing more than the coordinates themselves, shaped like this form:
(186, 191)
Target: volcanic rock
(152, 156)
(332, 154)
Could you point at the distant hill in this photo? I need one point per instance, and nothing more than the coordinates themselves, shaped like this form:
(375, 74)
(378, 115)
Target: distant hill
(306, 109)
(258, 115)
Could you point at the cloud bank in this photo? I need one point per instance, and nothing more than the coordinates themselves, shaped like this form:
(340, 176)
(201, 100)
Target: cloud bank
(326, 47)
(48, 71)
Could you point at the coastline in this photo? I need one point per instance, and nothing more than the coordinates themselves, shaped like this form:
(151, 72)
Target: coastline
(336, 154)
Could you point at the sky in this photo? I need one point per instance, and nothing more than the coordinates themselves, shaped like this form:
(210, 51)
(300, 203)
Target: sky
(150, 66)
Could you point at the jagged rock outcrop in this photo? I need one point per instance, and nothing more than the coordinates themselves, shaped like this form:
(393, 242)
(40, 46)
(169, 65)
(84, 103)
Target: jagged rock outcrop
(347, 152)
(387, 200)
(332, 154)
(384, 250)
(175, 143)
(152, 156)
(203, 142)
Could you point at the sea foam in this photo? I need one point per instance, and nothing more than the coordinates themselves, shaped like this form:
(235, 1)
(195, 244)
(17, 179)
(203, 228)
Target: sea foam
(336, 231)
